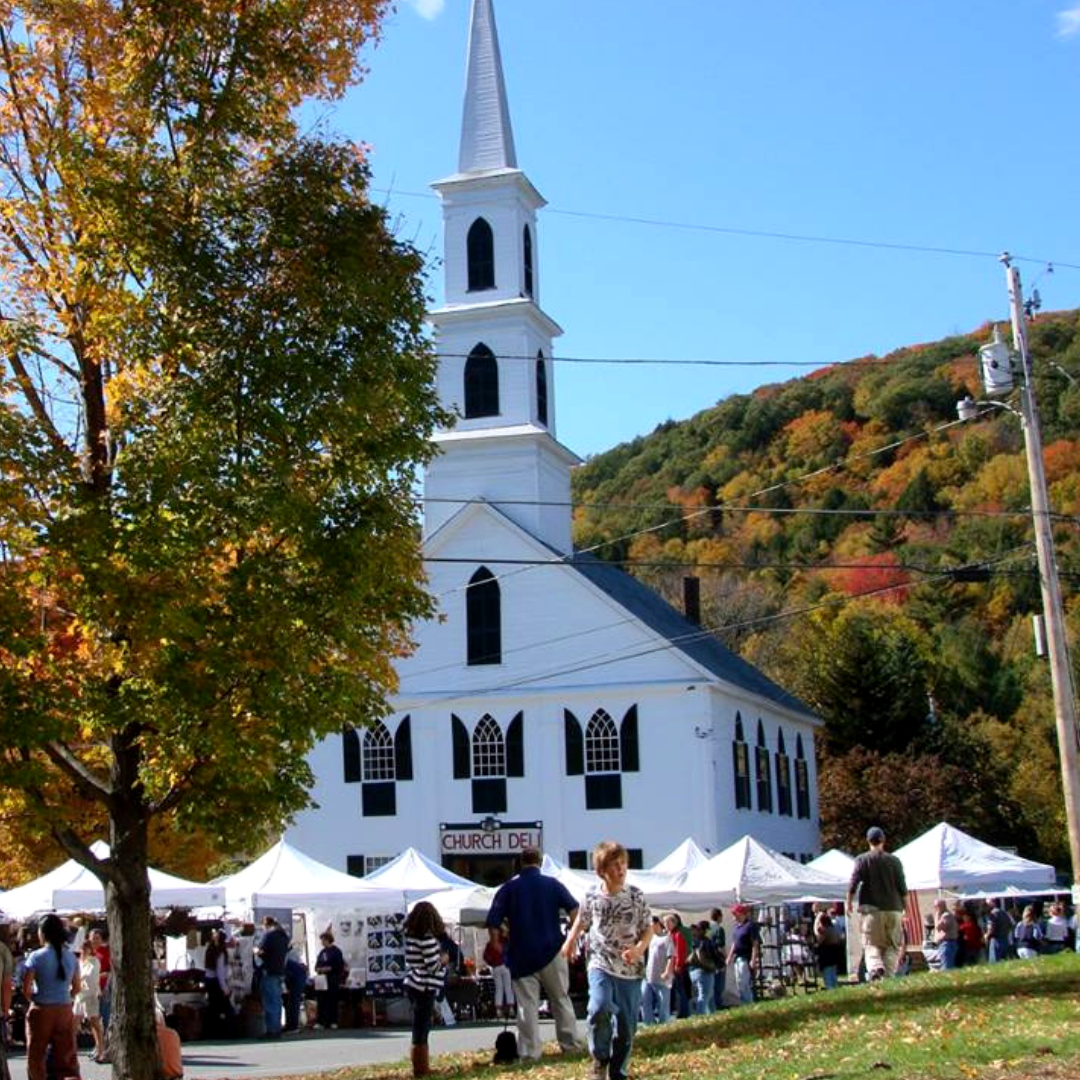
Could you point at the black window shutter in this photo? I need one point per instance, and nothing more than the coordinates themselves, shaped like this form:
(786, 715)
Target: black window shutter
(462, 768)
(575, 744)
(515, 748)
(628, 741)
(350, 745)
(603, 791)
(403, 750)
(577, 859)
(489, 796)
(354, 865)
(379, 799)
(635, 858)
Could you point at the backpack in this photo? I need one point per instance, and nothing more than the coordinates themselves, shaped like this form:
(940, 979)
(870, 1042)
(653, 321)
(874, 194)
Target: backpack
(506, 1048)
(704, 955)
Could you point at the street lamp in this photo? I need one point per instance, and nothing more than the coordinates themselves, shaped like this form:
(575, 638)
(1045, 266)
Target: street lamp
(997, 379)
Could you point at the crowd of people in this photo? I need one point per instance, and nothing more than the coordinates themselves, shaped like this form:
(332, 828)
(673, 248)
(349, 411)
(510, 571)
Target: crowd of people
(64, 975)
(972, 932)
(641, 966)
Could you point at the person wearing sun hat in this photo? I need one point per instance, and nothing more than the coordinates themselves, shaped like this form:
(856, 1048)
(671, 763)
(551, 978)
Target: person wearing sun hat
(878, 887)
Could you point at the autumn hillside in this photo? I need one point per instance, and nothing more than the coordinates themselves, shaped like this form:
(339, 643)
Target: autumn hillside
(875, 557)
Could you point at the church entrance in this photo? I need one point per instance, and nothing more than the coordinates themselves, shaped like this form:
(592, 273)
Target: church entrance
(491, 870)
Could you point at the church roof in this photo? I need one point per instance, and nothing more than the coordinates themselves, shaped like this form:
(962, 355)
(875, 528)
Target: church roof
(701, 646)
(487, 140)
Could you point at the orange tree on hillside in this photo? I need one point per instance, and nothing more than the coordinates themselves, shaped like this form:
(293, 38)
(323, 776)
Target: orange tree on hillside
(216, 396)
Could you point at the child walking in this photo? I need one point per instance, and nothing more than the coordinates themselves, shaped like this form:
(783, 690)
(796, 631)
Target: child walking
(423, 977)
(619, 928)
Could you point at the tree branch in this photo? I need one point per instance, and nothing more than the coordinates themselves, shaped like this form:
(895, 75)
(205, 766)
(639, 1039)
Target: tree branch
(87, 781)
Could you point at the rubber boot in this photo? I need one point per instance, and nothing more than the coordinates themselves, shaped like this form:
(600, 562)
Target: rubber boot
(420, 1061)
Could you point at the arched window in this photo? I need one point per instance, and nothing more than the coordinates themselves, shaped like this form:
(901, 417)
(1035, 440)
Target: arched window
(601, 744)
(481, 383)
(378, 753)
(378, 795)
(483, 617)
(740, 755)
(603, 762)
(764, 779)
(488, 748)
(480, 249)
(541, 389)
(802, 780)
(526, 247)
(783, 777)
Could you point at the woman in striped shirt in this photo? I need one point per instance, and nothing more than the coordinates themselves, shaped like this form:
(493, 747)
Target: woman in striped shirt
(423, 976)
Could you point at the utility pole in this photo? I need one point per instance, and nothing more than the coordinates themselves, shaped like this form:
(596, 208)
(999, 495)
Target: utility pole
(1053, 610)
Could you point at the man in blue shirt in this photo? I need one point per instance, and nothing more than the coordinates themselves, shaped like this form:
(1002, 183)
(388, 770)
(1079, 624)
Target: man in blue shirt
(531, 904)
(272, 951)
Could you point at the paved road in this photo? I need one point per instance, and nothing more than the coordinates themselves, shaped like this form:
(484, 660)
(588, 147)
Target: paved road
(309, 1053)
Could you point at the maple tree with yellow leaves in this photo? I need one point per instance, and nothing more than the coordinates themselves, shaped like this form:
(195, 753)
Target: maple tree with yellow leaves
(215, 394)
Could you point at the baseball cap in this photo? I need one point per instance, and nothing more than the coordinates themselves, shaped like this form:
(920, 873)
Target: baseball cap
(875, 835)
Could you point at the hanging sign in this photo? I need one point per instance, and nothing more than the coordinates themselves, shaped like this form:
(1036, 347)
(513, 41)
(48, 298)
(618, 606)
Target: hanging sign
(490, 837)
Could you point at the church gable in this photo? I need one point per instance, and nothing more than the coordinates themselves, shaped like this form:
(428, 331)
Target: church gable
(555, 629)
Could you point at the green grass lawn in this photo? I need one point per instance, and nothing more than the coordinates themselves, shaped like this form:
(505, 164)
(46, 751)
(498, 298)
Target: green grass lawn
(1010, 1021)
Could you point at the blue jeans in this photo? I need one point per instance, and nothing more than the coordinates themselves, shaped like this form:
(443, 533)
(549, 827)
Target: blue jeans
(998, 951)
(654, 1003)
(719, 979)
(270, 990)
(949, 952)
(744, 980)
(612, 1019)
(703, 983)
(828, 977)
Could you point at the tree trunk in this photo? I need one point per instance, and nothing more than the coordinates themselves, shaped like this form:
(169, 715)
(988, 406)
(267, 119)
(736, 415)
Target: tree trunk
(133, 1025)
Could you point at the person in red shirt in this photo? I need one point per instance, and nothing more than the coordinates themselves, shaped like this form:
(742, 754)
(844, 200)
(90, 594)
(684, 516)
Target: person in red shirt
(971, 938)
(100, 940)
(680, 988)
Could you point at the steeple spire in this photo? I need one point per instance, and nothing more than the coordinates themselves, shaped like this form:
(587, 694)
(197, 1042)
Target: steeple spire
(487, 141)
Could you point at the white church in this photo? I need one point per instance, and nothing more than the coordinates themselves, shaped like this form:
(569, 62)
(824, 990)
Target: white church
(555, 700)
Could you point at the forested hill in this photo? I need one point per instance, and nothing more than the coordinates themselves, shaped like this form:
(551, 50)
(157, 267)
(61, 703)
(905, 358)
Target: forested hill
(827, 519)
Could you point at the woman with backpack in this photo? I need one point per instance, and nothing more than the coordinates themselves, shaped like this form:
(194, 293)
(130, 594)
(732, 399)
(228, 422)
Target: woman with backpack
(50, 982)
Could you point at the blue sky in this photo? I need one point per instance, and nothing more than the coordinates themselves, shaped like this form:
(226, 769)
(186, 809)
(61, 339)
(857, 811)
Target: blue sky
(940, 124)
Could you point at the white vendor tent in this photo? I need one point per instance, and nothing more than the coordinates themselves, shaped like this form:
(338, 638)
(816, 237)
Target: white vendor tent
(662, 883)
(685, 857)
(577, 882)
(750, 871)
(465, 906)
(72, 887)
(835, 862)
(417, 876)
(946, 858)
(284, 877)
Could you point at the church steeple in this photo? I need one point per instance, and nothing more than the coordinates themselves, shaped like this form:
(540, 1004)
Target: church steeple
(487, 140)
(494, 341)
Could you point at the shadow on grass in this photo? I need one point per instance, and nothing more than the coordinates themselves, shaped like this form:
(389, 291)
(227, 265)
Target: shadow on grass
(1046, 979)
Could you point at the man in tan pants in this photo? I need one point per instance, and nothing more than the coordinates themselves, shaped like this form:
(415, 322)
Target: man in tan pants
(878, 887)
(530, 905)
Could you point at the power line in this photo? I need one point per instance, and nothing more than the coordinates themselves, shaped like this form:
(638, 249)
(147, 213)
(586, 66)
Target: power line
(693, 515)
(676, 564)
(621, 656)
(728, 508)
(767, 234)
